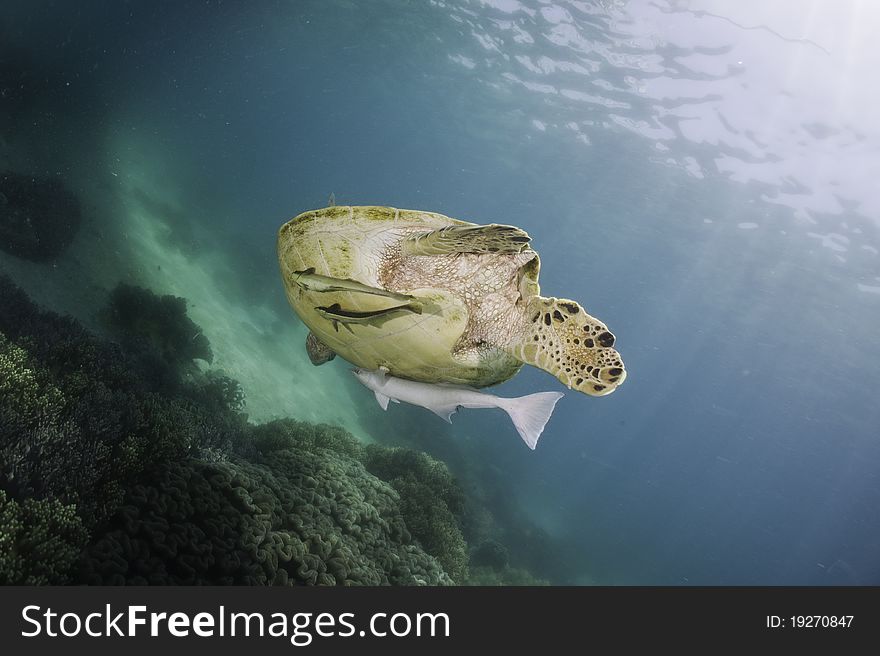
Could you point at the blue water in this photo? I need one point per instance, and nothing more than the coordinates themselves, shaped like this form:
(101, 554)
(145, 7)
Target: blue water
(699, 175)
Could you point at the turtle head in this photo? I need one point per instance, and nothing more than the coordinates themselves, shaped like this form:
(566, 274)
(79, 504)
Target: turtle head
(562, 339)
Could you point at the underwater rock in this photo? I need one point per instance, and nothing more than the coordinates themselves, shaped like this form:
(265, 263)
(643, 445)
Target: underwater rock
(138, 314)
(39, 217)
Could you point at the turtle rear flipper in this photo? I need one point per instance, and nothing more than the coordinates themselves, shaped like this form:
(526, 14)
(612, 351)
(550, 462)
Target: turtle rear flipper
(491, 238)
(562, 339)
(318, 351)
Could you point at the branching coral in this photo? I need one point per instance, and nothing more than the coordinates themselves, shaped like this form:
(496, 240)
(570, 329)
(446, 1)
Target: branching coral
(36, 436)
(81, 441)
(39, 541)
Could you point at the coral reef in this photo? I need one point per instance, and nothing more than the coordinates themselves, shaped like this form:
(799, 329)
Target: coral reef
(491, 554)
(506, 576)
(300, 510)
(137, 314)
(294, 517)
(80, 418)
(39, 541)
(490, 565)
(431, 501)
(125, 465)
(284, 434)
(39, 217)
(491, 513)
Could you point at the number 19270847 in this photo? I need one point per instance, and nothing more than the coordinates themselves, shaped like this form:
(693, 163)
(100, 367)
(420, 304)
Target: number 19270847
(810, 621)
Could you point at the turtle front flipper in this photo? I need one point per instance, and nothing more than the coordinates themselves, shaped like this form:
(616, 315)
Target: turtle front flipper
(492, 238)
(318, 351)
(562, 339)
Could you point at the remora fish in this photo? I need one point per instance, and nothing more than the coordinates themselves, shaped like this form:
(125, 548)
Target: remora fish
(529, 414)
(337, 315)
(315, 282)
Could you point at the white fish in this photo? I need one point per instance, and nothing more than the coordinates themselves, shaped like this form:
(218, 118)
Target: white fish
(529, 413)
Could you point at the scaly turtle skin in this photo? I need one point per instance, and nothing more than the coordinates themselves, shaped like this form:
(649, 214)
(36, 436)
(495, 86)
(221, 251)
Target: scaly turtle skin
(435, 299)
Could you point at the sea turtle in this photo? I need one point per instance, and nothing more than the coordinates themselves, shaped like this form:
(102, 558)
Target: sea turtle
(434, 299)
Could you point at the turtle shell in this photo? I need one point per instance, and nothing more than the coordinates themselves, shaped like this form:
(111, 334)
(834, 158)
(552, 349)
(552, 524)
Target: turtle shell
(363, 244)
